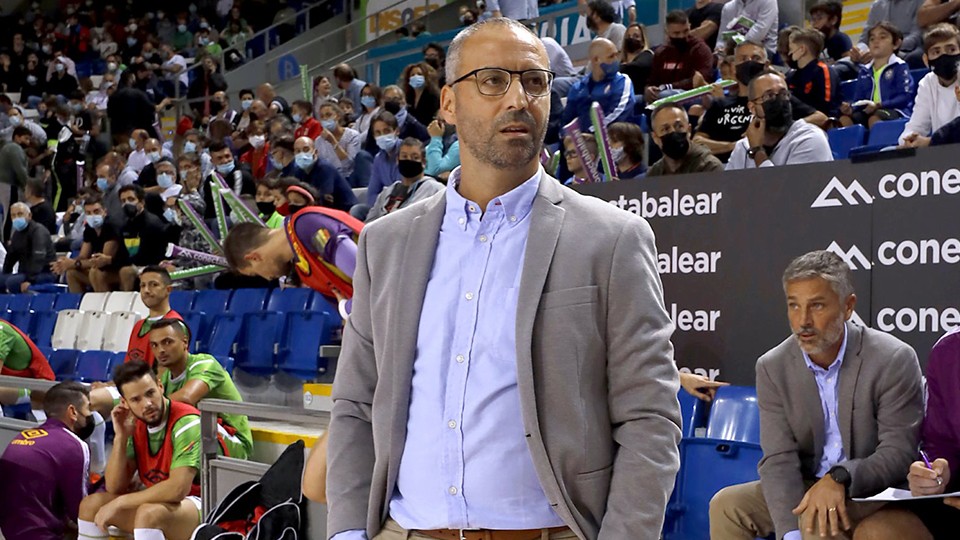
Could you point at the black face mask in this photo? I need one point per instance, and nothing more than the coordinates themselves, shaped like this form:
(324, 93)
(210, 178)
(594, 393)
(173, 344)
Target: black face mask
(675, 145)
(746, 71)
(410, 168)
(945, 66)
(778, 115)
(633, 44)
(294, 208)
(791, 63)
(87, 430)
(591, 25)
(392, 107)
(679, 43)
(433, 62)
(266, 208)
(130, 210)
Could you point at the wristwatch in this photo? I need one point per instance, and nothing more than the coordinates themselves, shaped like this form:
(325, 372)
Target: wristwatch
(752, 152)
(841, 476)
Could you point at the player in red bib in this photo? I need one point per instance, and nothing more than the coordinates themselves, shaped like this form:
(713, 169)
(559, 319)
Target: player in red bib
(155, 288)
(20, 357)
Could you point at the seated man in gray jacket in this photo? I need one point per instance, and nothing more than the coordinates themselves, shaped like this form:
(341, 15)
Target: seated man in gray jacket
(412, 186)
(32, 247)
(840, 411)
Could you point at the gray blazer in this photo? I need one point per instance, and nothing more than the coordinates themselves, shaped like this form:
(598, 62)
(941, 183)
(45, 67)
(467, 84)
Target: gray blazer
(597, 381)
(879, 413)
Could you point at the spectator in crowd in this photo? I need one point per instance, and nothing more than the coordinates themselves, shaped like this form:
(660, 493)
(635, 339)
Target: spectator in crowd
(267, 203)
(31, 246)
(144, 235)
(371, 99)
(435, 56)
(672, 133)
(275, 104)
(337, 145)
(174, 69)
(307, 125)
(333, 190)
(626, 146)
(518, 10)
(351, 86)
(704, 19)
(726, 120)
(684, 62)
(813, 81)
(395, 103)
(13, 166)
(222, 110)
(130, 108)
(636, 56)
(412, 187)
(109, 186)
(421, 91)
(765, 17)
(10, 76)
(154, 152)
(145, 424)
(98, 99)
(826, 17)
(61, 83)
(774, 137)
(206, 84)
(578, 166)
(602, 21)
(813, 465)
(439, 164)
(901, 14)
(34, 82)
(885, 89)
(239, 179)
(299, 195)
(386, 132)
(101, 255)
(15, 118)
(281, 155)
(604, 85)
(41, 211)
(938, 100)
(321, 93)
(246, 101)
(255, 157)
(45, 480)
(560, 62)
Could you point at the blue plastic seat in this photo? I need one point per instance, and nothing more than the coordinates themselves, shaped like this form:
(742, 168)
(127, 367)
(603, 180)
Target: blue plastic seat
(93, 366)
(49, 288)
(67, 301)
(19, 302)
(5, 301)
(44, 323)
(304, 333)
(256, 345)
(199, 335)
(693, 412)
(320, 302)
(223, 335)
(207, 306)
(882, 135)
(918, 74)
(43, 302)
(247, 300)
(290, 299)
(734, 415)
(848, 91)
(842, 140)
(182, 301)
(64, 363)
(22, 319)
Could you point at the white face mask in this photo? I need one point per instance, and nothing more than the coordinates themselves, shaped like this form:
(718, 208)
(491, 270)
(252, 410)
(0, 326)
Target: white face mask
(257, 141)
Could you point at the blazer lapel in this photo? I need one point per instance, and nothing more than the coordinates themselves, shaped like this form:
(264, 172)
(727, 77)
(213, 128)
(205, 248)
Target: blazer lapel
(849, 373)
(807, 386)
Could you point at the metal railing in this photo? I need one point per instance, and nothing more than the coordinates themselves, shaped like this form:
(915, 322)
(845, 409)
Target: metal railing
(40, 385)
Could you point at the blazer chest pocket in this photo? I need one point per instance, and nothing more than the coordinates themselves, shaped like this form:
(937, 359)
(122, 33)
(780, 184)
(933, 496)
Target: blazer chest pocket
(589, 294)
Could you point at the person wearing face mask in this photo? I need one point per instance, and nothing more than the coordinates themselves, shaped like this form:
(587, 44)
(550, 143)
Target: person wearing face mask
(255, 155)
(421, 91)
(412, 187)
(13, 167)
(395, 103)
(727, 119)
(32, 247)
(384, 172)
(813, 81)
(144, 236)
(16, 118)
(684, 62)
(333, 190)
(267, 203)
(636, 56)
(154, 152)
(338, 145)
(61, 83)
(109, 189)
(46, 470)
(205, 85)
(435, 56)
(101, 254)
(174, 69)
(671, 132)
(371, 99)
(307, 125)
(885, 89)
(604, 85)
(626, 146)
(938, 100)
(774, 137)
(34, 82)
(602, 20)
(351, 86)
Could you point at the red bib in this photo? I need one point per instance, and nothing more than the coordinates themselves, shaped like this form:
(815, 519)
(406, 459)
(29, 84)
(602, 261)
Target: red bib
(39, 368)
(155, 468)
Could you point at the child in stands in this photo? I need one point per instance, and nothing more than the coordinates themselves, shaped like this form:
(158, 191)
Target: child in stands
(885, 89)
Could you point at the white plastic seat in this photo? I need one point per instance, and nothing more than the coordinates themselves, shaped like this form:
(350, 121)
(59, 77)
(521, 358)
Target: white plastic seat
(92, 327)
(116, 337)
(65, 332)
(93, 301)
(120, 302)
(139, 307)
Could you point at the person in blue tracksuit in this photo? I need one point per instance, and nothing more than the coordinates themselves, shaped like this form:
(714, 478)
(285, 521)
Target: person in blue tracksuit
(605, 85)
(885, 90)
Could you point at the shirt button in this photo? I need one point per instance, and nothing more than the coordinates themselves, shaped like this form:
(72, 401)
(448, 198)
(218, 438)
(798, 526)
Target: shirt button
(461, 221)
(452, 424)
(513, 218)
(460, 359)
(453, 490)
(472, 208)
(468, 296)
(483, 238)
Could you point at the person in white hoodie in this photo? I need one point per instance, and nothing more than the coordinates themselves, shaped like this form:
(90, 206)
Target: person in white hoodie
(938, 95)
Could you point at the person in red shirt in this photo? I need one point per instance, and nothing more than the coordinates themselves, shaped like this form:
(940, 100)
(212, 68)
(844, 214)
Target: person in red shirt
(257, 149)
(682, 63)
(307, 125)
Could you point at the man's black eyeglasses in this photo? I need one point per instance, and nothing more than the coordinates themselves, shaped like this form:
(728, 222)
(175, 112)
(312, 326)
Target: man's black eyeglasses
(496, 81)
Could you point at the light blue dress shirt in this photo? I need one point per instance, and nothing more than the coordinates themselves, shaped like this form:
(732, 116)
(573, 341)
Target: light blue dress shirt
(827, 380)
(465, 462)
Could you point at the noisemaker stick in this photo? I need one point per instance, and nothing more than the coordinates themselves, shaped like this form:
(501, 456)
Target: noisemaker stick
(198, 223)
(174, 250)
(196, 272)
(603, 142)
(572, 130)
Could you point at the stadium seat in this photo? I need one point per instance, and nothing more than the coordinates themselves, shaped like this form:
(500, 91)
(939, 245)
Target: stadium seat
(93, 366)
(207, 306)
(66, 328)
(227, 362)
(693, 412)
(67, 301)
(90, 333)
(848, 91)
(22, 319)
(320, 302)
(93, 301)
(139, 307)
(4, 301)
(224, 334)
(44, 324)
(64, 363)
(257, 344)
(119, 301)
(918, 74)
(247, 300)
(289, 299)
(211, 301)
(734, 415)
(182, 301)
(843, 139)
(49, 288)
(303, 335)
(882, 135)
(19, 302)
(198, 331)
(43, 302)
(116, 336)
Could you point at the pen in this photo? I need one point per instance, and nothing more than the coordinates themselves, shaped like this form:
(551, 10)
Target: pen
(926, 461)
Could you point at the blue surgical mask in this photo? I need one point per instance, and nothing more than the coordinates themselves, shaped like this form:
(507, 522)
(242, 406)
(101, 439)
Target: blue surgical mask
(131, 41)
(15, 120)
(19, 223)
(183, 175)
(189, 146)
(611, 68)
(59, 67)
(153, 157)
(275, 164)
(165, 180)
(102, 184)
(297, 118)
(387, 142)
(305, 160)
(170, 215)
(368, 101)
(181, 28)
(225, 168)
(95, 221)
(246, 103)
(329, 125)
(417, 81)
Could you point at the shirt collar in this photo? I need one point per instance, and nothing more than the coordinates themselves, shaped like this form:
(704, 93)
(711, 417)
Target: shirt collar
(514, 205)
(835, 366)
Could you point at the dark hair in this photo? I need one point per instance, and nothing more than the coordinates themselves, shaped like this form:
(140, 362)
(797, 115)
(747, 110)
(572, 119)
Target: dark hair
(631, 136)
(677, 17)
(159, 270)
(93, 199)
(603, 9)
(217, 146)
(241, 240)
(830, 9)
(939, 33)
(811, 39)
(190, 157)
(375, 90)
(343, 72)
(246, 91)
(58, 398)
(888, 27)
(302, 104)
(21, 130)
(435, 46)
(179, 326)
(387, 118)
(413, 142)
(283, 141)
(137, 190)
(131, 371)
(34, 186)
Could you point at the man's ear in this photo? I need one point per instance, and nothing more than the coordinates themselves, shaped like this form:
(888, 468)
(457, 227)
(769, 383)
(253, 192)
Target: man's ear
(253, 256)
(448, 105)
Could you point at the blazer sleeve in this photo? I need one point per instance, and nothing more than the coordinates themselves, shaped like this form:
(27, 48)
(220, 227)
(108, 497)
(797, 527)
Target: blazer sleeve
(780, 476)
(899, 413)
(350, 455)
(642, 393)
